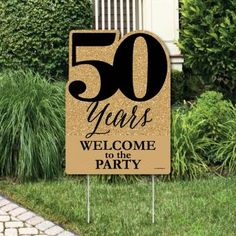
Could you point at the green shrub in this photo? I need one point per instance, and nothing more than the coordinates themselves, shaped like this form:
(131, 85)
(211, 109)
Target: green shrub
(215, 111)
(219, 127)
(195, 84)
(208, 31)
(185, 85)
(186, 143)
(203, 136)
(31, 126)
(177, 86)
(34, 34)
(225, 150)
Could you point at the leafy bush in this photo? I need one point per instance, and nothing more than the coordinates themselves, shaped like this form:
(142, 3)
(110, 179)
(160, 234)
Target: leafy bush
(177, 86)
(225, 150)
(208, 30)
(34, 34)
(186, 143)
(203, 136)
(215, 111)
(31, 126)
(195, 84)
(185, 85)
(219, 127)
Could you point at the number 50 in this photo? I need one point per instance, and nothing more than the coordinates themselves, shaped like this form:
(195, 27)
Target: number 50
(120, 74)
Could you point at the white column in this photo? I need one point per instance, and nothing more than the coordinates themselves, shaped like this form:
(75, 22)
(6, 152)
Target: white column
(96, 14)
(134, 14)
(115, 14)
(176, 9)
(103, 15)
(128, 15)
(140, 14)
(147, 14)
(109, 13)
(121, 17)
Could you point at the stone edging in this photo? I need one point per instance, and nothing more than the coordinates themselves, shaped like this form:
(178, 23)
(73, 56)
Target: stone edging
(18, 221)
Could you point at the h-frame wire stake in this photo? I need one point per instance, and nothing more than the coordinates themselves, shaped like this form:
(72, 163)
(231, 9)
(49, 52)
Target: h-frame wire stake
(88, 199)
(153, 199)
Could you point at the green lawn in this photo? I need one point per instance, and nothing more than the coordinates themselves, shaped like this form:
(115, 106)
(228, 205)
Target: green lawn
(201, 207)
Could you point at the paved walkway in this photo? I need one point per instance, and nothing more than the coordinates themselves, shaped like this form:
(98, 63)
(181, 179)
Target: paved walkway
(18, 221)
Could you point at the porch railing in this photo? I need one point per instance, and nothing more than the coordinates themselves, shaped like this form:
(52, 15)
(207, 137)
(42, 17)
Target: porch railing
(125, 15)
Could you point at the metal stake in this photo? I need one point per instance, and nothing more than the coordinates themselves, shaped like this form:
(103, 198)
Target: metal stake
(88, 200)
(153, 199)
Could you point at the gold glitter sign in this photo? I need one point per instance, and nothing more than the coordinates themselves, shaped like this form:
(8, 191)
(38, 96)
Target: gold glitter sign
(117, 104)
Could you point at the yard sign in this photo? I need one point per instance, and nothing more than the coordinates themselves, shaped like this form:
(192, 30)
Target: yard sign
(117, 104)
